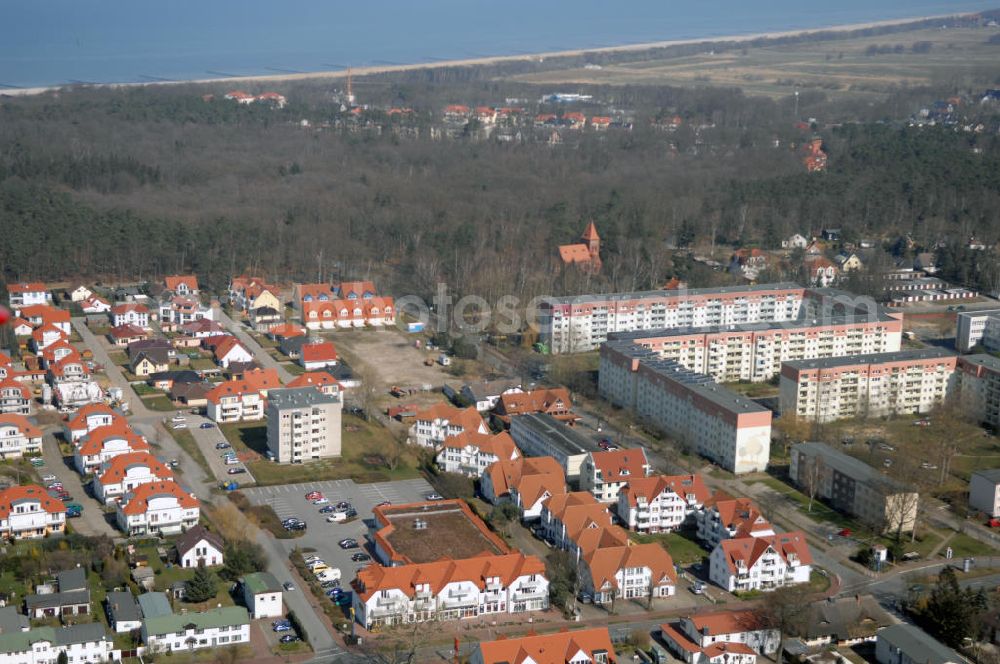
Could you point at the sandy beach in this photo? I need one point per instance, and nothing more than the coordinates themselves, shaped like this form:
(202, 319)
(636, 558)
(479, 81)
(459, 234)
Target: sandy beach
(472, 62)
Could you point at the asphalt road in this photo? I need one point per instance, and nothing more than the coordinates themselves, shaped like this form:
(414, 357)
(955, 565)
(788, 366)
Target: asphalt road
(91, 521)
(263, 358)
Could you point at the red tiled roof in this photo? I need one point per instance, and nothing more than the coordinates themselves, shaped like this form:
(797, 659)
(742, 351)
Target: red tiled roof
(10, 383)
(249, 382)
(682, 485)
(321, 352)
(605, 562)
(27, 287)
(79, 420)
(750, 549)
(468, 418)
(28, 492)
(126, 307)
(226, 345)
(46, 312)
(127, 331)
(621, 465)
(39, 333)
(500, 445)
(531, 477)
(287, 331)
(318, 379)
(20, 422)
(93, 443)
(725, 622)
(574, 253)
(114, 471)
(174, 281)
(138, 499)
(556, 648)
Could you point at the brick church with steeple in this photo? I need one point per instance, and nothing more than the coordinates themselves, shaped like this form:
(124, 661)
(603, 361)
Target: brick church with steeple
(585, 255)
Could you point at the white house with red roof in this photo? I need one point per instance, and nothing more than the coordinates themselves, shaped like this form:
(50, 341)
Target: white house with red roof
(321, 380)
(21, 327)
(724, 517)
(40, 315)
(124, 472)
(46, 335)
(57, 352)
(181, 309)
(470, 452)
(761, 563)
(450, 590)
(605, 473)
(18, 436)
(240, 96)
(231, 351)
(80, 293)
(25, 294)
(15, 397)
(95, 304)
(720, 637)
(130, 313)
(157, 508)
(88, 418)
(630, 571)
(105, 443)
(181, 284)
(241, 399)
(29, 512)
(69, 369)
(578, 646)
(433, 425)
(318, 355)
(661, 503)
(123, 335)
(526, 481)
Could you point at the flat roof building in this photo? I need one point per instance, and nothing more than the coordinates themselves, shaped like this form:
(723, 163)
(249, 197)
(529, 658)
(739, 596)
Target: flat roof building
(303, 424)
(540, 434)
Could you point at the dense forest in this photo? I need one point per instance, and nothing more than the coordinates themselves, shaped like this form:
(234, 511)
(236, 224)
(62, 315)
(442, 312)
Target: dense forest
(131, 183)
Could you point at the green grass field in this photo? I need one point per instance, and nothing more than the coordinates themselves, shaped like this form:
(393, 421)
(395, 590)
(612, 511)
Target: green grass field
(684, 550)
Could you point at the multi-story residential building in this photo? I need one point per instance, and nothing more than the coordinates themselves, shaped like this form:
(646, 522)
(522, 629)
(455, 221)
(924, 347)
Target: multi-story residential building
(853, 487)
(470, 453)
(729, 429)
(29, 512)
(242, 399)
(44, 336)
(15, 397)
(565, 516)
(450, 590)
(26, 294)
(755, 351)
(124, 472)
(41, 315)
(157, 508)
(577, 324)
(90, 417)
(723, 517)
(979, 387)
(978, 328)
(183, 310)
(130, 313)
(18, 437)
(632, 571)
(984, 492)
(760, 563)
(553, 401)
(88, 642)
(720, 637)
(303, 424)
(661, 503)
(526, 481)
(582, 646)
(540, 434)
(605, 472)
(103, 444)
(322, 315)
(433, 425)
(183, 632)
(902, 382)
(181, 284)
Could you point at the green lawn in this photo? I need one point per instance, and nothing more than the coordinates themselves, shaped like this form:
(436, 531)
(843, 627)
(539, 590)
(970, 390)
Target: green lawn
(201, 364)
(293, 368)
(363, 443)
(963, 546)
(819, 512)
(167, 575)
(160, 403)
(144, 389)
(684, 550)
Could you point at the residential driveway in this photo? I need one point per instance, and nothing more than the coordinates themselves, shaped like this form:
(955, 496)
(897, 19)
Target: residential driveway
(263, 358)
(92, 521)
(289, 500)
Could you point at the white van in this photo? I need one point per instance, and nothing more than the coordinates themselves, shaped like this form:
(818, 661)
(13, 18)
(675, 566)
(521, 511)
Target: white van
(328, 574)
(337, 517)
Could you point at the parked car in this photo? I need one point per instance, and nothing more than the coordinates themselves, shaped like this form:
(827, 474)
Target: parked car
(180, 425)
(337, 517)
(282, 627)
(361, 557)
(222, 446)
(343, 599)
(332, 583)
(49, 478)
(348, 543)
(327, 509)
(178, 418)
(232, 461)
(343, 506)
(288, 638)
(321, 501)
(313, 495)
(206, 425)
(37, 462)
(288, 586)
(236, 471)
(173, 463)
(329, 574)
(698, 588)
(433, 496)
(845, 532)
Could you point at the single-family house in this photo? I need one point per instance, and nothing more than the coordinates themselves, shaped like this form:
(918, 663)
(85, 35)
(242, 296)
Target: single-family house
(181, 284)
(318, 355)
(68, 596)
(525, 481)
(231, 351)
(848, 261)
(157, 508)
(29, 512)
(24, 294)
(18, 436)
(148, 362)
(125, 335)
(130, 313)
(794, 241)
(80, 293)
(262, 595)
(263, 319)
(124, 614)
(200, 546)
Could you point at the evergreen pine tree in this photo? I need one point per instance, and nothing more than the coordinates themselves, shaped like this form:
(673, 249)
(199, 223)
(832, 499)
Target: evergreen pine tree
(200, 587)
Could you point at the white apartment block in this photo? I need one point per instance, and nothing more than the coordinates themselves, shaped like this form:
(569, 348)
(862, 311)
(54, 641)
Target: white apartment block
(18, 437)
(450, 590)
(634, 571)
(577, 324)
(722, 637)
(183, 632)
(984, 492)
(731, 430)
(899, 383)
(979, 387)
(730, 518)
(157, 508)
(123, 473)
(435, 424)
(29, 512)
(978, 328)
(605, 473)
(853, 487)
(28, 294)
(661, 503)
(755, 351)
(234, 406)
(15, 397)
(470, 453)
(760, 563)
(303, 424)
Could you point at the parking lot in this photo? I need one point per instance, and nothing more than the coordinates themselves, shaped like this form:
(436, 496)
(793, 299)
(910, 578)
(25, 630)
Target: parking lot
(289, 500)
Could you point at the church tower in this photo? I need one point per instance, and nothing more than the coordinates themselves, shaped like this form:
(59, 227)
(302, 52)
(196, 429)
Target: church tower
(593, 242)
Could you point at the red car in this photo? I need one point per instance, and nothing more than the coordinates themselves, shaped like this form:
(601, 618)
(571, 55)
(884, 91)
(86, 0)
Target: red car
(993, 523)
(846, 532)
(314, 495)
